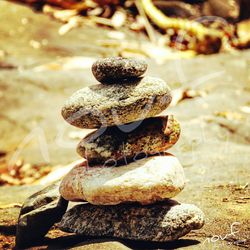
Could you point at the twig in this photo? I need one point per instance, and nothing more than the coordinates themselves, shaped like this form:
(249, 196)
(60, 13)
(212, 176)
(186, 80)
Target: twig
(148, 26)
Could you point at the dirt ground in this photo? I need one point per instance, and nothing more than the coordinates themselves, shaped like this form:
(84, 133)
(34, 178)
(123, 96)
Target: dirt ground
(39, 69)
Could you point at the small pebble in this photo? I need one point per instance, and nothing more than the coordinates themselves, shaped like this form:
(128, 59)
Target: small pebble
(118, 69)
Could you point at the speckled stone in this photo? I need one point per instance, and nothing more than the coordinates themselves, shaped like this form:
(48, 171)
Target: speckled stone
(158, 222)
(119, 144)
(108, 105)
(38, 214)
(118, 69)
(145, 181)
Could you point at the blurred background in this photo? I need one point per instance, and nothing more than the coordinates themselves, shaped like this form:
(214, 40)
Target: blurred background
(199, 47)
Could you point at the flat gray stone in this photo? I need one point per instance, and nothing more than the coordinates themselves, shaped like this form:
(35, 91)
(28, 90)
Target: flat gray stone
(108, 105)
(158, 222)
(38, 214)
(134, 140)
(118, 69)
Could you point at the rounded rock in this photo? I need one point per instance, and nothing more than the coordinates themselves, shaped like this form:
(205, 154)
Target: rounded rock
(160, 222)
(118, 69)
(145, 181)
(107, 105)
(122, 143)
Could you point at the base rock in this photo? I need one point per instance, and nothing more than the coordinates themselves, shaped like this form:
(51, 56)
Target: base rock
(160, 222)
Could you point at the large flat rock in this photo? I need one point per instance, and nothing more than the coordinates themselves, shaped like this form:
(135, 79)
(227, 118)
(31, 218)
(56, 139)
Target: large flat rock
(213, 146)
(116, 104)
(161, 222)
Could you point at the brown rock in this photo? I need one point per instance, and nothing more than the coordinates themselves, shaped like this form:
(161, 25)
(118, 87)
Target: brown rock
(115, 144)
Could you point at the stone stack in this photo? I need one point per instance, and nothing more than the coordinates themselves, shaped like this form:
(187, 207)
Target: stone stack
(127, 178)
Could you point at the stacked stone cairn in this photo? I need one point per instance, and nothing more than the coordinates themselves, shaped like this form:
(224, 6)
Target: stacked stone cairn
(126, 178)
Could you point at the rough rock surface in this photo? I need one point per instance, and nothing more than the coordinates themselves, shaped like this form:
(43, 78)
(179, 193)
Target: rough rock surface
(118, 69)
(165, 221)
(145, 181)
(215, 160)
(147, 137)
(100, 244)
(38, 213)
(108, 105)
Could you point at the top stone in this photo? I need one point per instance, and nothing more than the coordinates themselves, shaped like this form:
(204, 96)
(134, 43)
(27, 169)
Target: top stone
(115, 69)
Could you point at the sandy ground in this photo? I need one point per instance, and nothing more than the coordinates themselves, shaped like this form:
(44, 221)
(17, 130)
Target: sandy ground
(214, 146)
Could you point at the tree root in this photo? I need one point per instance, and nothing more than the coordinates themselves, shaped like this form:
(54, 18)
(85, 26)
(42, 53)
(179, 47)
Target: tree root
(164, 22)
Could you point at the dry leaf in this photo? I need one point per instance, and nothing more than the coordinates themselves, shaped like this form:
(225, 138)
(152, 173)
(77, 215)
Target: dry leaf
(181, 94)
(118, 19)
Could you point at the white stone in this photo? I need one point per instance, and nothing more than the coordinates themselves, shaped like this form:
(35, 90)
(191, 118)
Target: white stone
(145, 181)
